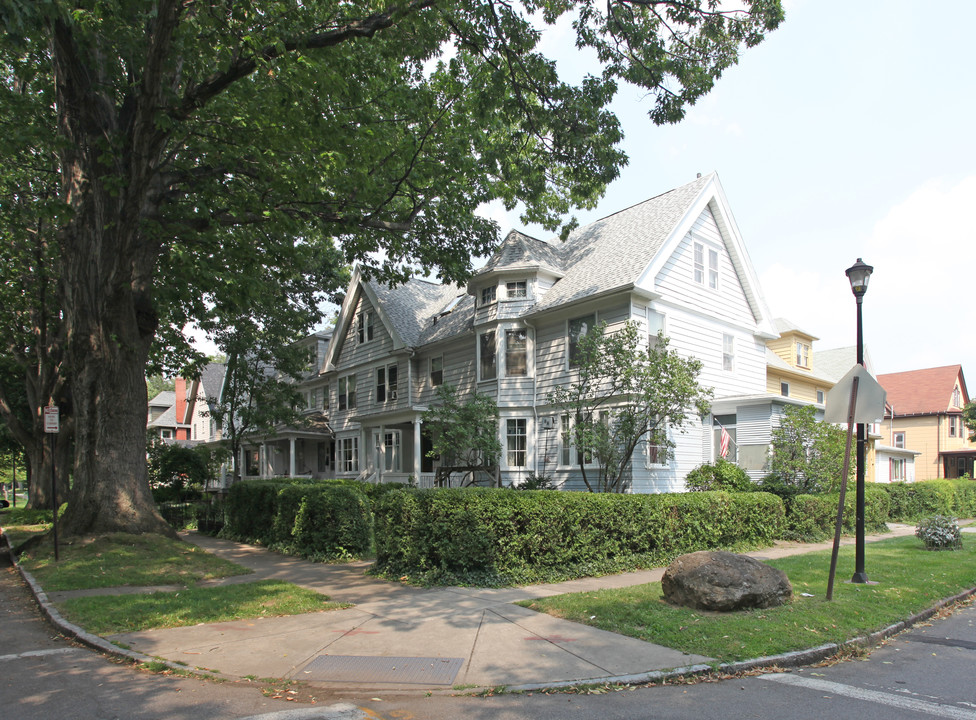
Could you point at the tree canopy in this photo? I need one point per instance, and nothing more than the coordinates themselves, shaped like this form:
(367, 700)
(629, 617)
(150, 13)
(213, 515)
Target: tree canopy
(806, 455)
(624, 391)
(190, 151)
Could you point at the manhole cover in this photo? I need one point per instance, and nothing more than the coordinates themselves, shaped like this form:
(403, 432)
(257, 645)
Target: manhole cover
(358, 668)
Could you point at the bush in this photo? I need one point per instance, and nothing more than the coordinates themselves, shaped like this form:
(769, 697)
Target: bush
(939, 532)
(813, 518)
(493, 537)
(722, 475)
(312, 519)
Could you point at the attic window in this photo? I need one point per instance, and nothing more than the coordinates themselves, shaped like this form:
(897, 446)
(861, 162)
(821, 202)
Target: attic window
(488, 294)
(451, 305)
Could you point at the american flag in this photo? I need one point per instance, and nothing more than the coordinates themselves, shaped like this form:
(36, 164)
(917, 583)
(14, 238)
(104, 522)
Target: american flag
(725, 443)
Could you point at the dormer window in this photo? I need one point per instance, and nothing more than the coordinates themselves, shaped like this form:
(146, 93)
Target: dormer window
(488, 294)
(516, 289)
(802, 355)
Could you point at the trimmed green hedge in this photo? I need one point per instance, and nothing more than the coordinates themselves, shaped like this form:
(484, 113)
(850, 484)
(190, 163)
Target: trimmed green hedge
(312, 519)
(813, 518)
(911, 502)
(492, 537)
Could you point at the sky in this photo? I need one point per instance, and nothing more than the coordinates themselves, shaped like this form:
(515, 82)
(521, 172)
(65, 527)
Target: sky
(848, 133)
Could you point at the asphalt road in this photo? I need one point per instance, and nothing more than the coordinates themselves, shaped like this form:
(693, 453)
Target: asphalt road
(925, 672)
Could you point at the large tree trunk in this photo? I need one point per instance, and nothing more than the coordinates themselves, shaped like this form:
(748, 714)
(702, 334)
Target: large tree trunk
(109, 333)
(39, 491)
(108, 262)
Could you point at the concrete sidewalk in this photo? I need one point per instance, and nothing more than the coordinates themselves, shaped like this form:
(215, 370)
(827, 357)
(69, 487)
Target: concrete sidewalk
(402, 637)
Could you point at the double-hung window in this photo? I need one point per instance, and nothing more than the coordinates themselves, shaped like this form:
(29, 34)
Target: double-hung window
(437, 370)
(516, 356)
(713, 269)
(655, 328)
(386, 383)
(897, 469)
(516, 438)
(486, 356)
(657, 450)
(347, 392)
(569, 454)
(703, 273)
(516, 289)
(348, 454)
(728, 353)
(488, 294)
(954, 426)
(802, 355)
(898, 439)
(365, 326)
(578, 329)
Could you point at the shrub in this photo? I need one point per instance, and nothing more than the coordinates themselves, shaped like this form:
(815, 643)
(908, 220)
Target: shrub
(813, 518)
(912, 501)
(312, 519)
(491, 537)
(939, 532)
(722, 475)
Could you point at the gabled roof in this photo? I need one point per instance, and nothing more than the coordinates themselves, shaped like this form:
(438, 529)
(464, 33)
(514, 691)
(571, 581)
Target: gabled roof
(212, 380)
(406, 307)
(612, 253)
(923, 392)
(619, 253)
(165, 399)
(166, 419)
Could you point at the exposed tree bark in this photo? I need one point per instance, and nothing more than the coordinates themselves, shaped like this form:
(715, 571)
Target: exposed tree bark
(106, 280)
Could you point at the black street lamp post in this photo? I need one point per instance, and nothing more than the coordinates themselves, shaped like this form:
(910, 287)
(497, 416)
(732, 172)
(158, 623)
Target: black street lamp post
(859, 274)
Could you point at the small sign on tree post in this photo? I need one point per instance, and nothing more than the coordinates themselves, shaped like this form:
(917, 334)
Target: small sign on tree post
(52, 426)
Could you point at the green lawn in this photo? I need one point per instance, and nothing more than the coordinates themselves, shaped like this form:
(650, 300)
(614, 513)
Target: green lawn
(910, 579)
(119, 559)
(109, 614)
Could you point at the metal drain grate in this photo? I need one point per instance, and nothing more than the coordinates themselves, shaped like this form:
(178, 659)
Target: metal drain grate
(357, 668)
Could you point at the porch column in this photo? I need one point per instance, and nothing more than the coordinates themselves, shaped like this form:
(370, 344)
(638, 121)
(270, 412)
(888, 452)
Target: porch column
(416, 450)
(379, 454)
(291, 457)
(264, 460)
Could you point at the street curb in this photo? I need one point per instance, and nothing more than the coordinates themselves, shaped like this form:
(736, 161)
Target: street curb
(797, 658)
(86, 638)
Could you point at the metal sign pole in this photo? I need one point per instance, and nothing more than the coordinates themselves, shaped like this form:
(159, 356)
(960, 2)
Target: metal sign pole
(843, 491)
(51, 427)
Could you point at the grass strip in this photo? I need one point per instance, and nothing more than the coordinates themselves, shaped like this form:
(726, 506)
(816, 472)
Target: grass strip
(124, 560)
(110, 614)
(910, 579)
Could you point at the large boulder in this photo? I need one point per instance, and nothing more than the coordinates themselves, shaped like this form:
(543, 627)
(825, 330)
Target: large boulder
(724, 581)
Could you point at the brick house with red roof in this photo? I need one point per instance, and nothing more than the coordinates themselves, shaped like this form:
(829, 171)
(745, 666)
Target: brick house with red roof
(924, 413)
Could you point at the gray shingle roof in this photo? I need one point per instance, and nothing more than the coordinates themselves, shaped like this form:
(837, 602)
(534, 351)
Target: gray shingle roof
(410, 306)
(611, 253)
(212, 380)
(519, 250)
(167, 419)
(836, 363)
(166, 398)
(607, 255)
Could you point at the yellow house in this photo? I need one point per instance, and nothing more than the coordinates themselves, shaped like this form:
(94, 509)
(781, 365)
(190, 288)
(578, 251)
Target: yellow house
(790, 370)
(925, 414)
